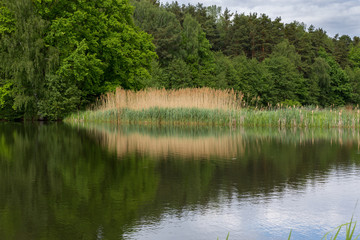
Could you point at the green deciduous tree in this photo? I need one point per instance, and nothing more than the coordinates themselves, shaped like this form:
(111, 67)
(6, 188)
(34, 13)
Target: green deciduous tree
(254, 81)
(226, 76)
(7, 21)
(195, 50)
(25, 56)
(335, 88)
(7, 26)
(354, 72)
(179, 75)
(107, 29)
(354, 78)
(354, 55)
(288, 83)
(61, 55)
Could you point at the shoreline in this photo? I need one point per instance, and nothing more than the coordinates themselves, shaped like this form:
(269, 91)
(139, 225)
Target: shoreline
(282, 118)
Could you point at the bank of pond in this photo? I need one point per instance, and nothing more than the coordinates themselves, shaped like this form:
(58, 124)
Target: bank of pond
(209, 107)
(284, 117)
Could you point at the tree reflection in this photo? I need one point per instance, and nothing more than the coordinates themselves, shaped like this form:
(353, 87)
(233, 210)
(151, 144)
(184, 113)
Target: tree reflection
(100, 181)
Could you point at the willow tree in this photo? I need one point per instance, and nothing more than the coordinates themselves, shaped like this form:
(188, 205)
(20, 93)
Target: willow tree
(7, 26)
(23, 55)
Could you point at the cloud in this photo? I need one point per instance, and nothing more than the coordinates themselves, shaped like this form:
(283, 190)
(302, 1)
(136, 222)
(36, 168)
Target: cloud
(333, 16)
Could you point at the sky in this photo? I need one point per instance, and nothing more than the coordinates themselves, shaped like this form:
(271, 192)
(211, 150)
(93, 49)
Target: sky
(334, 16)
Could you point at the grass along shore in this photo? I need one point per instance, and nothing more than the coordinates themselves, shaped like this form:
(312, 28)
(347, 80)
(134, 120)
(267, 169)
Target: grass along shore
(207, 107)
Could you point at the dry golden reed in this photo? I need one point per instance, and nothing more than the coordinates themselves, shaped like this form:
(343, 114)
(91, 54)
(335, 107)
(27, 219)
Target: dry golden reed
(204, 98)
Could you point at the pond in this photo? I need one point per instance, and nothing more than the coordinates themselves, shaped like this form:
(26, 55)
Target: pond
(103, 181)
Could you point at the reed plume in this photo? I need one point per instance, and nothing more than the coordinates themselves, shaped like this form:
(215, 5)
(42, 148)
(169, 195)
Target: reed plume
(204, 98)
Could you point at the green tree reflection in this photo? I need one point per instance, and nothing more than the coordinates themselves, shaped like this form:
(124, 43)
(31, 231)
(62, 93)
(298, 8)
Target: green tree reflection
(102, 182)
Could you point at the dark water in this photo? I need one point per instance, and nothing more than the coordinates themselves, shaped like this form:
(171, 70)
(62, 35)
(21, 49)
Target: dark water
(108, 182)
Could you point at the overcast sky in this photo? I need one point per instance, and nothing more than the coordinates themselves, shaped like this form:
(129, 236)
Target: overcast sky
(333, 16)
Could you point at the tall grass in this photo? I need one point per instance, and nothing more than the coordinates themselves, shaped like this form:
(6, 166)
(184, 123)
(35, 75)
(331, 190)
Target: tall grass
(198, 106)
(206, 106)
(202, 98)
(349, 232)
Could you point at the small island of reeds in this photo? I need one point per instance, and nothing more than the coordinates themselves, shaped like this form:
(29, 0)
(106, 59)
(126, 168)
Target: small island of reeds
(205, 106)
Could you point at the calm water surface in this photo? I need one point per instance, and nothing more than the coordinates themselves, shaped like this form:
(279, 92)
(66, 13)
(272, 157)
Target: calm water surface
(139, 182)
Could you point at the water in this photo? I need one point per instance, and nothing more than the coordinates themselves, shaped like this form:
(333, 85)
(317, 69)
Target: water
(140, 182)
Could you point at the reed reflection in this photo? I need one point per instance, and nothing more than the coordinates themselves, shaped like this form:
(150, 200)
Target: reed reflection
(200, 143)
(252, 163)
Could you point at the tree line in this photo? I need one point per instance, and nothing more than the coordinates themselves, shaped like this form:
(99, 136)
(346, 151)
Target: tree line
(58, 56)
(270, 62)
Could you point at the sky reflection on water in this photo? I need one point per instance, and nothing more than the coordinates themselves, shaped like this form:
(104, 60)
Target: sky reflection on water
(309, 213)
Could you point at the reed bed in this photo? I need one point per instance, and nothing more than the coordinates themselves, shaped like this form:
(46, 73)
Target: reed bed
(300, 117)
(203, 98)
(282, 118)
(175, 116)
(207, 107)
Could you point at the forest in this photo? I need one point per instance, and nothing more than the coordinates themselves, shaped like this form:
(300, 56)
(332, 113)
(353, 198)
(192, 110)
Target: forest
(59, 56)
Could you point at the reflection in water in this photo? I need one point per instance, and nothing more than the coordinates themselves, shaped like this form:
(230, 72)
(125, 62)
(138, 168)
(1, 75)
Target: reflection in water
(195, 146)
(204, 142)
(143, 182)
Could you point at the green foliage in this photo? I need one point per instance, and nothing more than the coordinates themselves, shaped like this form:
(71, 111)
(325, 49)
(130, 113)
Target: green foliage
(341, 50)
(24, 56)
(195, 47)
(254, 79)
(290, 103)
(335, 82)
(61, 55)
(354, 78)
(289, 62)
(116, 47)
(354, 55)
(287, 82)
(7, 21)
(80, 70)
(5, 91)
(61, 98)
(163, 26)
(226, 75)
(6, 102)
(178, 75)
